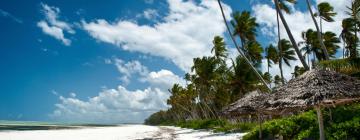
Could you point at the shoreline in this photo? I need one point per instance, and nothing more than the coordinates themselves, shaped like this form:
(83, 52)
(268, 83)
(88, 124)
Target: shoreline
(130, 132)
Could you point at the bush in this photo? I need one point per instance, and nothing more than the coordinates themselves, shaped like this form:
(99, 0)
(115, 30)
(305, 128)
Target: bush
(344, 125)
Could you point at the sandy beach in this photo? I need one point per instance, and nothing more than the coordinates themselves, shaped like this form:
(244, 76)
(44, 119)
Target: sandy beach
(124, 132)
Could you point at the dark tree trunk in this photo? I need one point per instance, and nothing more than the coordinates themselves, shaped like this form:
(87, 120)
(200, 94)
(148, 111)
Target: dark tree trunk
(240, 51)
(291, 37)
(319, 34)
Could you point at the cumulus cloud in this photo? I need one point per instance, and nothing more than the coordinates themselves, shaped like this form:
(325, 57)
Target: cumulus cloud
(112, 106)
(298, 22)
(128, 69)
(186, 32)
(54, 27)
(120, 105)
(151, 14)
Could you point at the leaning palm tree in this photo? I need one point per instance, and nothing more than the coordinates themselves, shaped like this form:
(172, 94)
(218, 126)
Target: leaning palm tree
(326, 13)
(319, 35)
(288, 54)
(288, 31)
(239, 50)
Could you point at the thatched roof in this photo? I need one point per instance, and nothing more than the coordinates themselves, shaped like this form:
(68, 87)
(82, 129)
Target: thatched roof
(315, 87)
(251, 103)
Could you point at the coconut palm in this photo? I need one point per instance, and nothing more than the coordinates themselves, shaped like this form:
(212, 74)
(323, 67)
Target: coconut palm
(254, 51)
(288, 54)
(319, 34)
(239, 49)
(288, 31)
(244, 26)
(219, 47)
(277, 80)
(312, 46)
(308, 38)
(271, 55)
(349, 37)
(325, 12)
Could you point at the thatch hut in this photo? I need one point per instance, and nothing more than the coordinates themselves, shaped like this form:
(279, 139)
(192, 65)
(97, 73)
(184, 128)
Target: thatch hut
(315, 88)
(251, 104)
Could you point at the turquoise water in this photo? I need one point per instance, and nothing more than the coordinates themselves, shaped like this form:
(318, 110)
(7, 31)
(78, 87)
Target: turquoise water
(34, 125)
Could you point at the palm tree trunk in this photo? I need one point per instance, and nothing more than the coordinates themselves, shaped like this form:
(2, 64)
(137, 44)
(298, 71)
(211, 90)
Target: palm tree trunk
(319, 34)
(240, 51)
(291, 37)
(281, 72)
(321, 122)
(279, 48)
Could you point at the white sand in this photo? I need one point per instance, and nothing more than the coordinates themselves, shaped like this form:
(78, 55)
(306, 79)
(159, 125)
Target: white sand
(125, 132)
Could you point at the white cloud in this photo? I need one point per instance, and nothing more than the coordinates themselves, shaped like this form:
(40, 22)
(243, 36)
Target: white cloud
(298, 22)
(163, 79)
(111, 106)
(54, 27)
(9, 15)
(120, 105)
(150, 14)
(129, 69)
(186, 32)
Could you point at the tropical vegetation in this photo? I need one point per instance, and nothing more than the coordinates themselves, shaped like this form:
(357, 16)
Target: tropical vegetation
(218, 80)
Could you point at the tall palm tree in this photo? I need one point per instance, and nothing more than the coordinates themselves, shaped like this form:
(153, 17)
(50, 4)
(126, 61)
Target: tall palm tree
(244, 26)
(312, 44)
(288, 54)
(308, 38)
(349, 37)
(239, 49)
(353, 12)
(288, 31)
(271, 55)
(325, 12)
(319, 34)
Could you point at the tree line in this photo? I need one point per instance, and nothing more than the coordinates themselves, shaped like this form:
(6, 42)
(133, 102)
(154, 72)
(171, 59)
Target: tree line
(216, 81)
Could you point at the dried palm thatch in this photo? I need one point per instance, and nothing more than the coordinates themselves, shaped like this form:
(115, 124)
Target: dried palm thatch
(250, 104)
(315, 88)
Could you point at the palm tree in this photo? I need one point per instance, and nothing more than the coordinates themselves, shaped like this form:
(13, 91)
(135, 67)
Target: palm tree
(254, 51)
(319, 34)
(288, 31)
(308, 38)
(287, 54)
(325, 12)
(239, 49)
(219, 47)
(349, 37)
(312, 46)
(271, 55)
(244, 26)
(277, 80)
(354, 15)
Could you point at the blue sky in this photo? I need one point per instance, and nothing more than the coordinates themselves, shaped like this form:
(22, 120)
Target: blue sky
(74, 61)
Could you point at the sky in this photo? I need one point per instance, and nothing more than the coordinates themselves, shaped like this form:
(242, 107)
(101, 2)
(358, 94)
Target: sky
(112, 61)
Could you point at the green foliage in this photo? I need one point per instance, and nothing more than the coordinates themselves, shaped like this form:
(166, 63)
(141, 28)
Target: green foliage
(216, 125)
(347, 66)
(345, 124)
